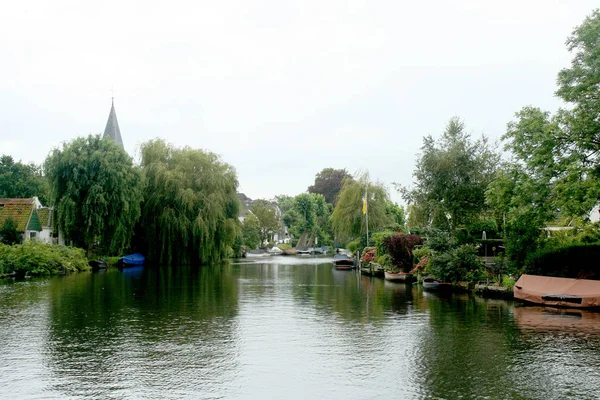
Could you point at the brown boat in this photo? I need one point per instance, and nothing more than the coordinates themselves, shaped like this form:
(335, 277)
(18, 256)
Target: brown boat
(561, 292)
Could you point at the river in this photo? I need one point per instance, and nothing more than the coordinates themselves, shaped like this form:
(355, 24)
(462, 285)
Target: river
(282, 328)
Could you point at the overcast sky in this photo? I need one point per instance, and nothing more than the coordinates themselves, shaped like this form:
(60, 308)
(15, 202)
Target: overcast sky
(280, 89)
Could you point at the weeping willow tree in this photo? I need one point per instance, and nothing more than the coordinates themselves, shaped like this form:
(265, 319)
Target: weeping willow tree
(96, 193)
(348, 219)
(190, 207)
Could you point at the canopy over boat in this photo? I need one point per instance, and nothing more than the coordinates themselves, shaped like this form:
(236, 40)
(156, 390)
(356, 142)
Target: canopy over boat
(564, 292)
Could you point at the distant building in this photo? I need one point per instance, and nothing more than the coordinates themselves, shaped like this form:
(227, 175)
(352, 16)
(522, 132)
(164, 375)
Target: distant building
(32, 220)
(112, 130)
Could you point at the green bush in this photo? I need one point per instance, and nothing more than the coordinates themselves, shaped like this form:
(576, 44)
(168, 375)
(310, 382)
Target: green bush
(353, 245)
(459, 264)
(379, 237)
(568, 261)
(38, 258)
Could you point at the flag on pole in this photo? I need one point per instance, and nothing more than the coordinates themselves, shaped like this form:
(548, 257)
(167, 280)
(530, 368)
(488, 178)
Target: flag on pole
(364, 209)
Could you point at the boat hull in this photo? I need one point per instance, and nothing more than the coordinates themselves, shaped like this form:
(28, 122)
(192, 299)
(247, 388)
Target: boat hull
(131, 260)
(344, 265)
(398, 277)
(558, 292)
(435, 285)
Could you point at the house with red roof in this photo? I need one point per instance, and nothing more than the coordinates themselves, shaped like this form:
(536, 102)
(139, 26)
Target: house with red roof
(32, 219)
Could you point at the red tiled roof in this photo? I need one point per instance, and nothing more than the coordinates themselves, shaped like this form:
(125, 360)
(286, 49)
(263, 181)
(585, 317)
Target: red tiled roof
(17, 209)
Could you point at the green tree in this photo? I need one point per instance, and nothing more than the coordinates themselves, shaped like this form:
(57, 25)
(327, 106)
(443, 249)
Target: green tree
(18, 180)
(190, 206)
(9, 234)
(451, 177)
(348, 220)
(96, 192)
(251, 232)
(578, 86)
(396, 213)
(309, 213)
(265, 211)
(329, 182)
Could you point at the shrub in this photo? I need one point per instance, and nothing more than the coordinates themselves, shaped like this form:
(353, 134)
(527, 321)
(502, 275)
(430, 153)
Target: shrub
(379, 239)
(9, 234)
(353, 245)
(385, 261)
(400, 247)
(459, 264)
(368, 255)
(38, 258)
(568, 261)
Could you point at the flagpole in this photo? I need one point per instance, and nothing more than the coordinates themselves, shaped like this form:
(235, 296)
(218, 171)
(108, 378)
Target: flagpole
(367, 212)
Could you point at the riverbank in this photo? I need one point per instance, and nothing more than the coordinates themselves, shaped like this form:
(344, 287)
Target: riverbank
(34, 258)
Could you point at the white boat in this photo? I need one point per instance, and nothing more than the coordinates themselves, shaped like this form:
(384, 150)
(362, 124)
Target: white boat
(275, 251)
(257, 253)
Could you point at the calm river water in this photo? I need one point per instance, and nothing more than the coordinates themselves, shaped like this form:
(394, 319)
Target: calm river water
(282, 328)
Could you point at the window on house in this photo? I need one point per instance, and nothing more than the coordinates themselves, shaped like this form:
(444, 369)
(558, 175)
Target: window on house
(32, 235)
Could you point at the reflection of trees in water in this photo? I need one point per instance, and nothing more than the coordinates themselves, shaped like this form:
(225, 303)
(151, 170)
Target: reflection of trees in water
(115, 332)
(469, 348)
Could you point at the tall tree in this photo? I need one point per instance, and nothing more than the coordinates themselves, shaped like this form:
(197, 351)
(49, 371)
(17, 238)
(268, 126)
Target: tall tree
(329, 182)
(265, 211)
(348, 219)
(190, 207)
(251, 231)
(451, 177)
(96, 192)
(18, 180)
(579, 86)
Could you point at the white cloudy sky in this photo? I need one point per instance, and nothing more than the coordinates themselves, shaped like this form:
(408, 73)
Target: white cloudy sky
(280, 89)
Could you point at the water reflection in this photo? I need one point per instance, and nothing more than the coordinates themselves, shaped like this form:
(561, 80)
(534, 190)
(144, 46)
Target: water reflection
(283, 328)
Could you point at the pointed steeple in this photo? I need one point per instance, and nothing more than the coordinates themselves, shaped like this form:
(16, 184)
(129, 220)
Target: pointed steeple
(112, 130)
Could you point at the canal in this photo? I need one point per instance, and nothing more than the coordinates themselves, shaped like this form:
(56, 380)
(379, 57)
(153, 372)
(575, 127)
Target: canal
(283, 328)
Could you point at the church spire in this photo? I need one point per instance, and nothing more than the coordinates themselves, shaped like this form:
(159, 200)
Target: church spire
(112, 130)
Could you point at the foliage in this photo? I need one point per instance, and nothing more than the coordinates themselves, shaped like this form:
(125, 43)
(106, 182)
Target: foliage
(348, 219)
(96, 192)
(385, 261)
(555, 171)
(265, 211)
(368, 255)
(353, 245)
(420, 252)
(451, 177)
(439, 241)
(38, 258)
(190, 208)
(309, 213)
(396, 213)
(379, 240)
(251, 232)
(421, 266)
(569, 261)
(18, 180)
(329, 182)
(457, 264)
(9, 234)
(578, 86)
(400, 248)
(284, 202)
(489, 226)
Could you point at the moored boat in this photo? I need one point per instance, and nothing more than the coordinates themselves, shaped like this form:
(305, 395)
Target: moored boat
(561, 292)
(131, 260)
(398, 276)
(98, 264)
(436, 285)
(343, 261)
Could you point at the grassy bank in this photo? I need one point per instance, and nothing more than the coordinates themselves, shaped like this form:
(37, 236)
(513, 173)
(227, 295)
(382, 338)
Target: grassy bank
(36, 258)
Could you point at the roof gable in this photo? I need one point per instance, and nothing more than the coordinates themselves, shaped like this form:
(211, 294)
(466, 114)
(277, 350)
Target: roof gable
(19, 210)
